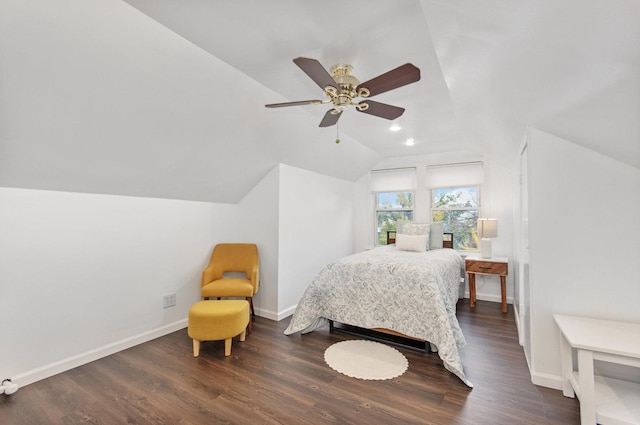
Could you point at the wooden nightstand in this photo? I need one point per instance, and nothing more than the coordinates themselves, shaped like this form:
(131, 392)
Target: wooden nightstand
(498, 266)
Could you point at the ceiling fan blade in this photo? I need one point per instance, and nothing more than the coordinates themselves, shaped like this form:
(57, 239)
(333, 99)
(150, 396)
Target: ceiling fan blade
(315, 71)
(298, 103)
(330, 119)
(382, 110)
(398, 77)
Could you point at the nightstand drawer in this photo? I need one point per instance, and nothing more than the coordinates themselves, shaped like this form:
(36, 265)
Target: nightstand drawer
(486, 267)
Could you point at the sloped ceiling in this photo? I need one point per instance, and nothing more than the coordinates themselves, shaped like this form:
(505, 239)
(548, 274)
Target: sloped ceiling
(165, 98)
(570, 67)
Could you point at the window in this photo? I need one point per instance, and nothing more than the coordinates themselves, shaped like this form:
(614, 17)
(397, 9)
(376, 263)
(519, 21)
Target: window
(458, 207)
(393, 192)
(390, 207)
(455, 199)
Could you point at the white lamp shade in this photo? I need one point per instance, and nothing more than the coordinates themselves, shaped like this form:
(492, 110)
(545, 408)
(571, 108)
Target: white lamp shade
(487, 227)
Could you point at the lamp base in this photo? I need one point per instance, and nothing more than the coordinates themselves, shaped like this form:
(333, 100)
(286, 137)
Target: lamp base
(485, 248)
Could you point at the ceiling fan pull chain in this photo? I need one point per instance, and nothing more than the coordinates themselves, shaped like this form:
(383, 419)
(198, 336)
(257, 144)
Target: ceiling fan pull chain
(337, 135)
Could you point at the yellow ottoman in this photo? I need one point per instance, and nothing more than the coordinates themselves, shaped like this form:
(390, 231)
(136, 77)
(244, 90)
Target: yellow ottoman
(216, 320)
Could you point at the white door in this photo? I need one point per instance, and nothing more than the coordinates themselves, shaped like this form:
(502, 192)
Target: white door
(523, 289)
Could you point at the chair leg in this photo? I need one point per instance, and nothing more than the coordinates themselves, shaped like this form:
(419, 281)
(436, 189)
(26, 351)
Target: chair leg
(250, 299)
(227, 347)
(249, 326)
(243, 335)
(196, 348)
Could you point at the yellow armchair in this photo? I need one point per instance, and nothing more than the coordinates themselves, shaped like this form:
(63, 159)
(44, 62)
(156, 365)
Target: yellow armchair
(236, 258)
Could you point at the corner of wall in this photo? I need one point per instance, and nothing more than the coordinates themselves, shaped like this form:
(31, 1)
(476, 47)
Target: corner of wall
(258, 222)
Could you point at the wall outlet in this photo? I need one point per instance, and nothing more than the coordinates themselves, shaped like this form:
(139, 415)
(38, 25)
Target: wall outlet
(169, 300)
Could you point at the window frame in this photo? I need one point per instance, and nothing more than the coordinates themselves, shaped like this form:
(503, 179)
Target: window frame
(478, 208)
(377, 210)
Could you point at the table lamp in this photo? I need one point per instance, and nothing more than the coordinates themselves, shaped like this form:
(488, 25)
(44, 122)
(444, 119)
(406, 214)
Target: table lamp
(487, 229)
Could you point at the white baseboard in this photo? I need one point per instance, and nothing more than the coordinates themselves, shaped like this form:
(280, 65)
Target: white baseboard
(546, 380)
(516, 315)
(267, 314)
(277, 316)
(489, 297)
(80, 359)
(287, 312)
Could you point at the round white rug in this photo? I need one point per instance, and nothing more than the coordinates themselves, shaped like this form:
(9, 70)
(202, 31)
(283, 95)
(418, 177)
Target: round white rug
(365, 359)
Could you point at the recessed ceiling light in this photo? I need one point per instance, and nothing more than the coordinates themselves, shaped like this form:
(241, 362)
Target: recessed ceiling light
(410, 142)
(395, 127)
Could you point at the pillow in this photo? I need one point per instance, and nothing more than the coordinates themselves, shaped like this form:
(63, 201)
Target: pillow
(434, 230)
(406, 227)
(416, 243)
(435, 235)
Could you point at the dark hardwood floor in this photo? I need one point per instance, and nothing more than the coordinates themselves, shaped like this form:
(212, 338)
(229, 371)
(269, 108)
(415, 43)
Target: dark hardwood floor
(276, 379)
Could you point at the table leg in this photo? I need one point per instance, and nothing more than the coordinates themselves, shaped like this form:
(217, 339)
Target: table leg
(472, 289)
(566, 360)
(587, 388)
(503, 290)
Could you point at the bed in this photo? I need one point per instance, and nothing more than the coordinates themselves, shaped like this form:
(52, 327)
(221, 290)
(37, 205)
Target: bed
(405, 292)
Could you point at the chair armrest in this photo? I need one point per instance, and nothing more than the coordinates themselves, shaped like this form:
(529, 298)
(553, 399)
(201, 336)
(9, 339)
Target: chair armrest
(255, 279)
(207, 276)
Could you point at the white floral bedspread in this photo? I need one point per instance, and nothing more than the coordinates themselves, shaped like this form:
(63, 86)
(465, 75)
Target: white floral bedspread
(414, 293)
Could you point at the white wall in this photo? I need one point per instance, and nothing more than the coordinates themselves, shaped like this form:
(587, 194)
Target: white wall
(82, 276)
(497, 201)
(257, 222)
(583, 242)
(362, 226)
(316, 227)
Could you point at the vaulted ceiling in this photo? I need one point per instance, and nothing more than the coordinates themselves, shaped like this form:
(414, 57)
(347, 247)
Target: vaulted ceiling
(165, 98)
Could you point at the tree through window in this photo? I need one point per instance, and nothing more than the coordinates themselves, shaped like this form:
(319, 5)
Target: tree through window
(391, 207)
(458, 207)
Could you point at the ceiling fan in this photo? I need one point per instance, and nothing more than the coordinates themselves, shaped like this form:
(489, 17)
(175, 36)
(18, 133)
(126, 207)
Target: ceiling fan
(341, 89)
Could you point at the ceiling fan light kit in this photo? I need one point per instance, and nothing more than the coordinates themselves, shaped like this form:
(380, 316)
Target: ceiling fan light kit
(341, 89)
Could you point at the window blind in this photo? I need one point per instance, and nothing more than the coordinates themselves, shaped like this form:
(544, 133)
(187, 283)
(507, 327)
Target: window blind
(397, 179)
(452, 175)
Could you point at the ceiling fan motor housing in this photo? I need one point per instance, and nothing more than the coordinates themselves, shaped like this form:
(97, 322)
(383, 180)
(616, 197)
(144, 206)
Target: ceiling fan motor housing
(347, 83)
(341, 73)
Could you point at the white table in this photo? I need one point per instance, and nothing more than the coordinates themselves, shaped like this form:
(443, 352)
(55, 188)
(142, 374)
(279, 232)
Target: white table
(603, 400)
